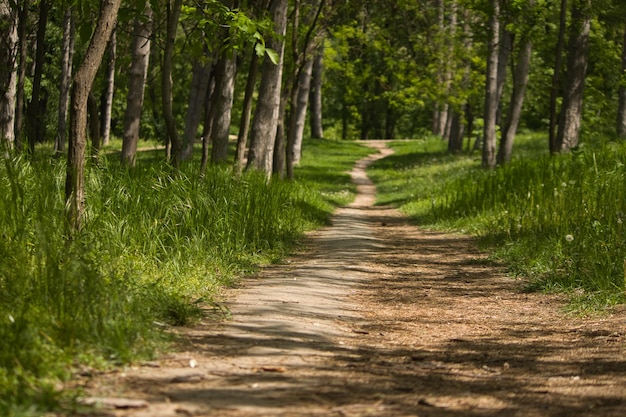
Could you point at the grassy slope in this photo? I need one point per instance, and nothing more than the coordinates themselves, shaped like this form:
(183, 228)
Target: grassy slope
(557, 221)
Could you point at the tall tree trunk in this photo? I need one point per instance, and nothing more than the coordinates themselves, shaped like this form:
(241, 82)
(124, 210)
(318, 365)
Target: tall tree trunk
(317, 129)
(244, 125)
(207, 125)
(22, 48)
(280, 146)
(201, 70)
(265, 119)
(142, 30)
(172, 138)
(520, 80)
(221, 106)
(106, 106)
(491, 89)
(457, 131)
(66, 79)
(83, 81)
(93, 122)
(299, 118)
(571, 115)
(621, 110)
(8, 74)
(556, 78)
(35, 124)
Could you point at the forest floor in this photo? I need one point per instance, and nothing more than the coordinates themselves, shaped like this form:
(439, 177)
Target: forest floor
(377, 317)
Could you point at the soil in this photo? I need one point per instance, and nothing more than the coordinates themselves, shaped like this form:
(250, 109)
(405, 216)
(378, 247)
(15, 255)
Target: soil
(378, 317)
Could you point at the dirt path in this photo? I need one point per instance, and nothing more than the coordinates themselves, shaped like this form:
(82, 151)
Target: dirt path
(380, 318)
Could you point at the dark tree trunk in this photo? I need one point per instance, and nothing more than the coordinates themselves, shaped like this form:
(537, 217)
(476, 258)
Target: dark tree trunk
(244, 125)
(201, 71)
(22, 47)
(106, 105)
(208, 123)
(265, 119)
(172, 139)
(35, 125)
(571, 114)
(8, 74)
(221, 106)
(83, 81)
(280, 145)
(66, 79)
(93, 122)
(491, 89)
(621, 110)
(457, 131)
(317, 129)
(142, 30)
(556, 79)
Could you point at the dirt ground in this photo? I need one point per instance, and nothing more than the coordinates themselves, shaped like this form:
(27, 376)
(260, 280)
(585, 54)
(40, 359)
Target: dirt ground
(381, 318)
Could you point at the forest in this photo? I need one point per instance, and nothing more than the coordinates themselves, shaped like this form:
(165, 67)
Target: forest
(156, 151)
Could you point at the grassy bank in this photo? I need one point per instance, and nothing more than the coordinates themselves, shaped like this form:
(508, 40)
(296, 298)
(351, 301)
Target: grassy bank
(157, 244)
(555, 220)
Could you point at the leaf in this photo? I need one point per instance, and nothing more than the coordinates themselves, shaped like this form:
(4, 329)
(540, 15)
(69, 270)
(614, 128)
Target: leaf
(272, 55)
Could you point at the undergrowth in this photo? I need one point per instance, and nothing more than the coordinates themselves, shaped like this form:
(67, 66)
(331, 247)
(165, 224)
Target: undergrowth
(557, 221)
(157, 245)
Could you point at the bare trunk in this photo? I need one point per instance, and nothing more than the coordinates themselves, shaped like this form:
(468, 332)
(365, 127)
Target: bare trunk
(221, 106)
(317, 129)
(280, 146)
(571, 115)
(556, 79)
(621, 111)
(66, 79)
(520, 80)
(197, 94)
(8, 74)
(35, 126)
(207, 125)
(138, 72)
(172, 138)
(107, 96)
(457, 131)
(491, 89)
(244, 125)
(93, 122)
(301, 109)
(83, 81)
(22, 47)
(265, 119)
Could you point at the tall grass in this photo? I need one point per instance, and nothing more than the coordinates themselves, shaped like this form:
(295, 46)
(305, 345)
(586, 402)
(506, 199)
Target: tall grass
(557, 220)
(157, 243)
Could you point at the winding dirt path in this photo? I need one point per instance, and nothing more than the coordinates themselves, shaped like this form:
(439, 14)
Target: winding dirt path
(380, 318)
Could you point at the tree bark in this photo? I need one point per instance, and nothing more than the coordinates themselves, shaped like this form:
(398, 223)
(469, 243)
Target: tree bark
(491, 89)
(265, 119)
(66, 79)
(301, 104)
(172, 138)
(221, 106)
(83, 81)
(317, 129)
(22, 47)
(244, 125)
(621, 110)
(35, 125)
(8, 74)
(457, 131)
(197, 94)
(556, 78)
(142, 30)
(571, 114)
(520, 81)
(106, 107)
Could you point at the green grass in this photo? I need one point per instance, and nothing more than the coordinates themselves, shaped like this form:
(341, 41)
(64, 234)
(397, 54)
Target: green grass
(555, 220)
(157, 246)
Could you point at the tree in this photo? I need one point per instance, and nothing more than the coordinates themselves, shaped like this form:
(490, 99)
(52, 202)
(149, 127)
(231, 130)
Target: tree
(491, 88)
(66, 79)
(556, 77)
(265, 121)
(140, 51)
(106, 103)
(621, 111)
(201, 71)
(221, 106)
(81, 86)
(8, 76)
(317, 129)
(577, 58)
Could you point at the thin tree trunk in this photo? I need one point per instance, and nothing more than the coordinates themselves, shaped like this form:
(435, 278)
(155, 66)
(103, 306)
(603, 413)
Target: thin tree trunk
(66, 79)
(197, 94)
(221, 106)
(265, 119)
(173, 15)
(556, 79)
(457, 130)
(93, 123)
(22, 47)
(142, 30)
(280, 147)
(207, 125)
(520, 80)
(83, 81)
(35, 126)
(571, 115)
(244, 125)
(317, 129)
(621, 110)
(107, 96)
(491, 89)
(301, 104)
(8, 74)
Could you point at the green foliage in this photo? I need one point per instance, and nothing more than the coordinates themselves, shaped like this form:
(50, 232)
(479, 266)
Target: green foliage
(156, 248)
(558, 221)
